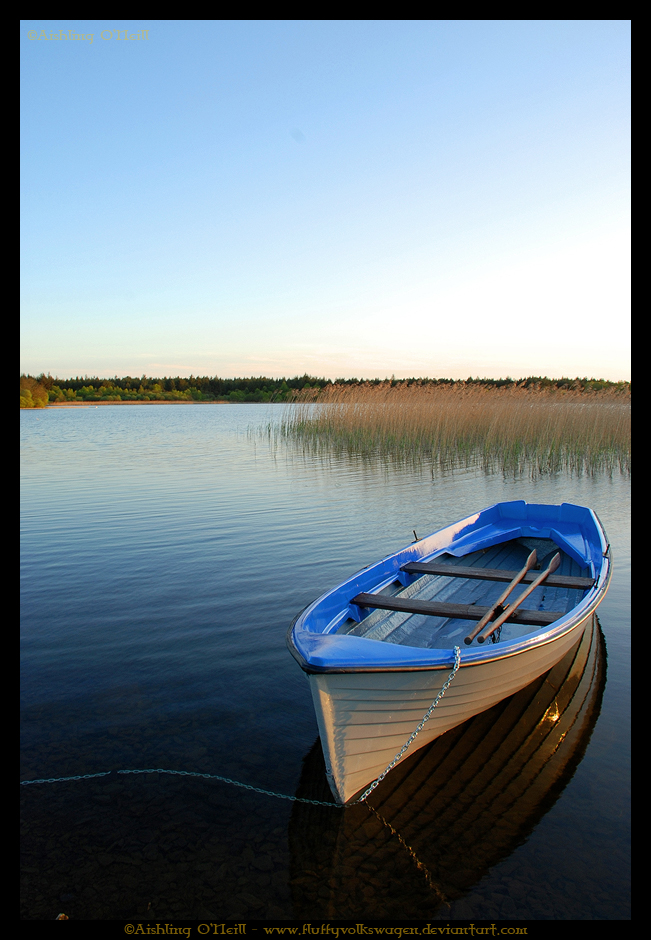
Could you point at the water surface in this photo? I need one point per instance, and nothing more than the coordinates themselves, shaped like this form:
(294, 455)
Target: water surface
(165, 550)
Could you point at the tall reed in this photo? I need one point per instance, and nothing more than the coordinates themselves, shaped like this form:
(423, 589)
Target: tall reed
(510, 427)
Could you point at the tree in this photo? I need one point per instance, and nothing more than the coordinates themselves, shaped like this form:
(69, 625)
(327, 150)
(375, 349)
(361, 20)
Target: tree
(32, 393)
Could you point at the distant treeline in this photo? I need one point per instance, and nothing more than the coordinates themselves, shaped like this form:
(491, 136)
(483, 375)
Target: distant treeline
(37, 391)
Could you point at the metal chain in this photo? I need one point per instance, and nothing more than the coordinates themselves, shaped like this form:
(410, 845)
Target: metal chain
(236, 783)
(24, 783)
(280, 796)
(182, 773)
(412, 737)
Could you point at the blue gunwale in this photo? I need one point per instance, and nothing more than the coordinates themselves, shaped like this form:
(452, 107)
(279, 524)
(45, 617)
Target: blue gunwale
(316, 646)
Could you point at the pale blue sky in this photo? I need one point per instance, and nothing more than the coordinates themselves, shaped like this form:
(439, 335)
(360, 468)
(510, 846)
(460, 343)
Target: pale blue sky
(344, 198)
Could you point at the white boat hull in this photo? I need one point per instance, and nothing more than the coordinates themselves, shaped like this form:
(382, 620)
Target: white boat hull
(364, 718)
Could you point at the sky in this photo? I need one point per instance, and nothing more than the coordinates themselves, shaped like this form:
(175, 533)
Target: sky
(344, 198)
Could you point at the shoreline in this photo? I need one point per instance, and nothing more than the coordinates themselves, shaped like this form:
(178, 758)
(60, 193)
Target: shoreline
(89, 404)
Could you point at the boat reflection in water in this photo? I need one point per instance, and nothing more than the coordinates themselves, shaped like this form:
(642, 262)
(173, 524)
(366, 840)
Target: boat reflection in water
(449, 812)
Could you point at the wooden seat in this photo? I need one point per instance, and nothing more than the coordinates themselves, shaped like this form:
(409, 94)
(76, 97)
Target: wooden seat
(538, 618)
(494, 574)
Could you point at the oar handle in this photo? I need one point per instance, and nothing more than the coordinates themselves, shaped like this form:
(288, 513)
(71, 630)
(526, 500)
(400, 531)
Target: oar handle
(553, 565)
(530, 563)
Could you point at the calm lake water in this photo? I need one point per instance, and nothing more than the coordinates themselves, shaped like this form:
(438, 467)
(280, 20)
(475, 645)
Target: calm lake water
(165, 550)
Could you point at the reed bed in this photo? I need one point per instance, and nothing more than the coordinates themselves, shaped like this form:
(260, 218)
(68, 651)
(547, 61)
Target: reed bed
(510, 428)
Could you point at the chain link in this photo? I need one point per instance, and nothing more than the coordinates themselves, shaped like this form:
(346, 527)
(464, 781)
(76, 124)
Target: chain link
(414, 734)
(25, 783)
(280, 796)
(235, 783)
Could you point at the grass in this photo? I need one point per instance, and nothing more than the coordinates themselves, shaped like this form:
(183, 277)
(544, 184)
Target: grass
(511, 428)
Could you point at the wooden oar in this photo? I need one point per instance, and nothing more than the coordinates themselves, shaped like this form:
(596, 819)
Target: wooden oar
(532, 560)
(553, 565)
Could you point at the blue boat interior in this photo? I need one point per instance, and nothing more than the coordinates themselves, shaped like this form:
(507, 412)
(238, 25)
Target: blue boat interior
(433, 632)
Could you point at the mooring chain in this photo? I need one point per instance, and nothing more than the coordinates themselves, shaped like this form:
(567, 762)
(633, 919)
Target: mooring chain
(416, 732)
(280, 796)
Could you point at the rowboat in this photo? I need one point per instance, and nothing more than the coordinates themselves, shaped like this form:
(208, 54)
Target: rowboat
(453, 809)
(498, 597)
